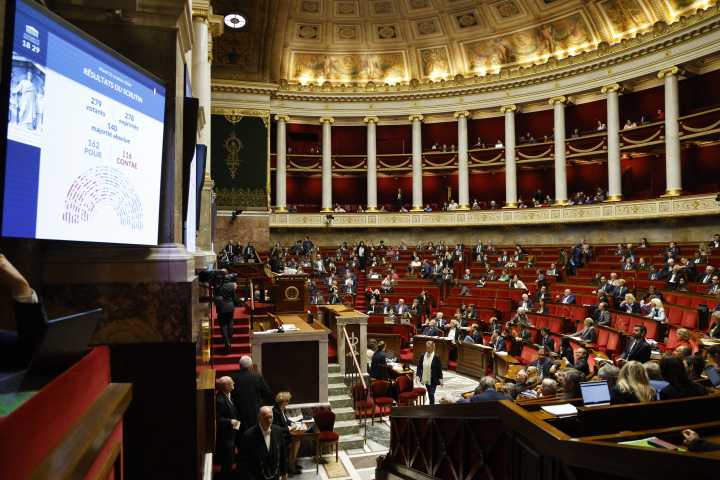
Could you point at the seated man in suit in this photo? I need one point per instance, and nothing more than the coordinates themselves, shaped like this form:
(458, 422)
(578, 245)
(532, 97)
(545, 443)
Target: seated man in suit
(571, 384)
(468, 275)
(707, 276)
(373, 308)
(637, 348)
(553, 272)
(400, 308)
(526, 303)
(491, 276)
(655, 275)
(567, 298)
(317, 299)
(260, 456)
(546, 339)
(587, 334)
(487, 387)
(334, 298)
(497, 342)
(249, 252)
(523, 333)
(319, 268)
(581, 361)
(621, 290)
(386, 307)
(521, 316)
(673, 278)
(603, 316)
(225, 420)
(604, 286)
(669, 266)
(543, 294)
(440, 322)
(544, 364)
(715, 287)
(431, 330)
(689, 268)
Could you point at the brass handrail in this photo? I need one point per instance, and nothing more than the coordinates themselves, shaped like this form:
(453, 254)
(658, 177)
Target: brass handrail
(366, 390)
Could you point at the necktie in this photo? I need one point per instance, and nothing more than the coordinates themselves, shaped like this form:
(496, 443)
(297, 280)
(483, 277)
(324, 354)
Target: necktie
(541, 371)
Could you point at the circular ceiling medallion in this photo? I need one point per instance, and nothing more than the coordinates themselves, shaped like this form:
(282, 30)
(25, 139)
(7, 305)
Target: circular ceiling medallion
(349, 62)
(382, 8)
(387, 32)
(419, 3)
(310, 6)
(235, 20)
(347, 33)
(347, 8)
(308, 32)
(467, 20)
(426, 27)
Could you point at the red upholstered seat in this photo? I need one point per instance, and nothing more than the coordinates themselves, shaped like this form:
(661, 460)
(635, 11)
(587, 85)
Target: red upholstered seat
(365, 405)
(328, 436)
(384, 401)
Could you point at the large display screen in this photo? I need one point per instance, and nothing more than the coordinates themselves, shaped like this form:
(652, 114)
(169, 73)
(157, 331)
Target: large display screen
(84, 138)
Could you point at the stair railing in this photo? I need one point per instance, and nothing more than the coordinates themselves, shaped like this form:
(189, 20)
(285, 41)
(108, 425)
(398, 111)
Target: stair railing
(357, 378)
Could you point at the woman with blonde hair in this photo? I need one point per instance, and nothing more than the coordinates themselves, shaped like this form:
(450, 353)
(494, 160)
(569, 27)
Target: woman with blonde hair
(714, 330)
(657, 312)
(683, 339)
(633, 385)
(533, 376)
(280, 419)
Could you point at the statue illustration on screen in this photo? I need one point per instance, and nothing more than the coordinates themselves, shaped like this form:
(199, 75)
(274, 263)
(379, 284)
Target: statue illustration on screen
(27, 94)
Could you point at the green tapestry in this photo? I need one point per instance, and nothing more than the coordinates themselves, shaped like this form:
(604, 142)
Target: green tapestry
(240, 151)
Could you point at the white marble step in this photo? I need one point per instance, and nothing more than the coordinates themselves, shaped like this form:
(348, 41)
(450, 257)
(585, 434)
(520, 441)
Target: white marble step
(349, 442)
(343, 413)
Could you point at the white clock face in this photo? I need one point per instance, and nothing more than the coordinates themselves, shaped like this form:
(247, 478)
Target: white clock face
(234, 20)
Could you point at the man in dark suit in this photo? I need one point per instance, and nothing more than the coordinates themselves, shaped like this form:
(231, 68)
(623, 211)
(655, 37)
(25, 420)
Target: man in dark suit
(655, 275)
(334, 298)
(307, 246)
(674, 278)
(637, 348)
(232, 250)
(317, 299)
(673, 248)
(498, 343)
(706, 277)
(526, 303)
(263, 449)
(544, 364)
(225, 302)
(689, 268)
(17, 348)
(226, 421)
(582, 364)
(554, 272)
(571, 384)
(431, 330)
(478, 249)
(250, 389)
(298, 248)
(568, 297)
(603, 316)
(250, 252)
(588, 334)
(426, 269)
(543, 294)
(715, 286)
(716, 241)
(492, 277)
(621, 290)
(547, 341)
(487, 385)
(604, 286)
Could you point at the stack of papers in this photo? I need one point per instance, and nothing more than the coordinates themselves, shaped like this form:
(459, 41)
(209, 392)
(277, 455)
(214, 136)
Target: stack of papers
(289, 327)
(561, 410)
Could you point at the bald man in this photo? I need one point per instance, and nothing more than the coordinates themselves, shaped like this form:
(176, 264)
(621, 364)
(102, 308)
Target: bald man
(263, 450)
(226, 420)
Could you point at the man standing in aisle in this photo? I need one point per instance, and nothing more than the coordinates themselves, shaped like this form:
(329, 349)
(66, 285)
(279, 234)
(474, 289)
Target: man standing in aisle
(262, 451)
(225, 302)
(226, 422)
(250, 389)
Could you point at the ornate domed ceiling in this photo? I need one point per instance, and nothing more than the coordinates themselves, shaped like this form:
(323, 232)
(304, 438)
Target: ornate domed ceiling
(395, 41)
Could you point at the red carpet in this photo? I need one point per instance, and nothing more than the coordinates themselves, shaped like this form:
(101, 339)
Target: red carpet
(239, 347)
(360, 300)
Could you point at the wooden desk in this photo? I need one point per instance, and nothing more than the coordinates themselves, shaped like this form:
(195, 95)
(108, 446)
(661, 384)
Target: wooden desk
(473, 359)
(387, 328)
(392, 341)
(314, 436)
(505, 366)
(442, 348)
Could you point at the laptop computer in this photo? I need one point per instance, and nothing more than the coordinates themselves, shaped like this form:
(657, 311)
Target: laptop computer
(713, 375)
(63, 344)
(390, 355)
(595, 394)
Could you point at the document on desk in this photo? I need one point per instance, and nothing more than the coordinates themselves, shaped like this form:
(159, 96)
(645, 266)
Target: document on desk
(296, 419)
(289, 327)
(562, 410)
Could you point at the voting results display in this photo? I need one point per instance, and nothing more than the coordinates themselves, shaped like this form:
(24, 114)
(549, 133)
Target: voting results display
(84, 138)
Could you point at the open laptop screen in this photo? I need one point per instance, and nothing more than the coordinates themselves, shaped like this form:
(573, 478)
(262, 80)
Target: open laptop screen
(595, 392)
(713, 375)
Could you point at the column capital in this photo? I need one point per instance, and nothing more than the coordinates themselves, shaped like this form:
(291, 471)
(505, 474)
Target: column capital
(670, 71)
(371, 120)
(463, 113)
(282, 118)
(614, 87)
(201, 15)
(562, 99)
(511, 108)
(419, 118)
(329, 120)
(216, 26)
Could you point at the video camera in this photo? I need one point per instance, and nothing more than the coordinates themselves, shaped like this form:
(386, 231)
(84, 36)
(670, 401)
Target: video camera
(214, 280)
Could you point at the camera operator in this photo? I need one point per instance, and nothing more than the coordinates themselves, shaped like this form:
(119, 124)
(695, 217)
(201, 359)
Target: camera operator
(225, 302)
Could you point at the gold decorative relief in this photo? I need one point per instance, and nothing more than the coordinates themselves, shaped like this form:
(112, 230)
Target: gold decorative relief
(233, 146)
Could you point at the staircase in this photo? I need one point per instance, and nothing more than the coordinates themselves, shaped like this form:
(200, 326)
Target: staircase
(360, 300)
(341, 405)
(239, 346)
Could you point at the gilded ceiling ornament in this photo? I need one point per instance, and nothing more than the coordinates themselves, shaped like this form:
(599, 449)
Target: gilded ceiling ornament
(382, 8)
(233, 146)
(467, 20)
(426, 27)
(232, 118)
(347, 8)
(348, 33)
(387, 32)
(419, 3)
(310, 7)
(507, 9)
(308, 32)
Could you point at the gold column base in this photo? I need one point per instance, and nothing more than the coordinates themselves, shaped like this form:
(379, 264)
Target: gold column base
(417, 209)
(327, 210)
(372, 209)
(281, 209)
(510, 205)
(675, 192)
(615, 198)
(463, 207)
(560, 202)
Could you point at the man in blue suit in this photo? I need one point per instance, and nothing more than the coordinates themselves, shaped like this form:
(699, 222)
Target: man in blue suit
(307, 246)
(621, 290)
(655, 275)
(400, 308)
(604, 287)
(431, 331)
(568, 297)
(487, 385)
(498, 343)
(426, 269)
(249, 252)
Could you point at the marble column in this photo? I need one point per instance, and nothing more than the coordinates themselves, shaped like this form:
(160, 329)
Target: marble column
(558, 104)
(281, 163)
(673, 169)
(371, 164)
(510, 169)
(417, 205)
(327, 205)
(463, 174)
(613, 142)
(200, 76)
